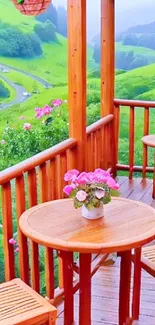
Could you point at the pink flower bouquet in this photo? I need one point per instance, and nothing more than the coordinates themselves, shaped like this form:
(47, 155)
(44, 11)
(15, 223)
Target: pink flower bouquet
(90, 189)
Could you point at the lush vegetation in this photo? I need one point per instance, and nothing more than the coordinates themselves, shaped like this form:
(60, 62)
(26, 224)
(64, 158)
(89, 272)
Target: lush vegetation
(4, 90)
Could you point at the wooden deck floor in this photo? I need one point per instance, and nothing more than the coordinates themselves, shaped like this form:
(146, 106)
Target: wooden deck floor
(105, 283)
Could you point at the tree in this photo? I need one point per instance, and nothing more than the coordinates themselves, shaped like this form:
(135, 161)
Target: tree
(46, 32)
(97, 53)
(130, 39)
(19, 44)
(62, 21)
(4, 91)
(49, 14)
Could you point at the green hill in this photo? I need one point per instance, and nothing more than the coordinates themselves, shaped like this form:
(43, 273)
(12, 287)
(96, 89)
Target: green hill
(146, 52)
(137, 84)
(10, 15)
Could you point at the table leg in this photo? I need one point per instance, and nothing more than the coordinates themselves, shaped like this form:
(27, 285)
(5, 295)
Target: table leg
(85, 289)
(125, 281)
(67, 258)
(136, 284)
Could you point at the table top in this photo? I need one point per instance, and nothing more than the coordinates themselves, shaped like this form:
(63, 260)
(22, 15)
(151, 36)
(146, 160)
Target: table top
(126, 224)
(149, 140)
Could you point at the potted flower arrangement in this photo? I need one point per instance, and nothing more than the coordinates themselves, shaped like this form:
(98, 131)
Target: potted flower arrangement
(90, 191)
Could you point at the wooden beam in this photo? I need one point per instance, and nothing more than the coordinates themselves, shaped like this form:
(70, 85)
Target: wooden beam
(77, 76)
(107, 56)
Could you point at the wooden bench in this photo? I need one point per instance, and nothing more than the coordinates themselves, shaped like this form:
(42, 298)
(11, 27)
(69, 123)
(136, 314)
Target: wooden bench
(21, 305)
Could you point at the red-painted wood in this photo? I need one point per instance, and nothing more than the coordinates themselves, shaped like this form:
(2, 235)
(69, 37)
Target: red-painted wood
(124, 294)
(85, 289)
(68, 287)
(136, 284)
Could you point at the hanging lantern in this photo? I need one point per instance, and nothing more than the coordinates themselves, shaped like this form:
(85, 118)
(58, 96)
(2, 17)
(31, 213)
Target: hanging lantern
(31, 7)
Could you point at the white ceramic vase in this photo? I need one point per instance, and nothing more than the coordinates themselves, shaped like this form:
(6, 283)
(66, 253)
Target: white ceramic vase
(93, 214)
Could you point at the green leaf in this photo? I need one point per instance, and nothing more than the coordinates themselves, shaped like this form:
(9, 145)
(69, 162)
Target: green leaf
(20, 1)
(73, 194)
(48, 120)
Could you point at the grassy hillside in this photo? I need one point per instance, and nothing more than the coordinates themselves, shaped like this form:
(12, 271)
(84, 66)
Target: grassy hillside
(9, 14)
(137, 84)
(147, 53)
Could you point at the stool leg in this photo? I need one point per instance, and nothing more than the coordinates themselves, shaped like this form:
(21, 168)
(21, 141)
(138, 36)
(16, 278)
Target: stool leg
(153, 194)
(136, 285)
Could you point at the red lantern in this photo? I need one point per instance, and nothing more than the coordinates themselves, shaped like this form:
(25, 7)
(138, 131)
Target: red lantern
(31, 7)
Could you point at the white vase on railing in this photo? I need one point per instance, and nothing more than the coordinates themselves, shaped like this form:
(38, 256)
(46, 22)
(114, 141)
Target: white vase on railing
(93, 214)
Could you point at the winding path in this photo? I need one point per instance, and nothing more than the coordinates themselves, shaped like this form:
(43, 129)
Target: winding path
(19, 89)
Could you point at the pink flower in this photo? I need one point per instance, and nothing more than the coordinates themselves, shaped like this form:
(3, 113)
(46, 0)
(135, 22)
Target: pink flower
(82, 179)
(12, 241)
(112, 184)
(16, 250)
(71, 175)
(90, 177)
(3, 141)
(47, 110)
(100, 193)
(56, 102)
(81, 196)
(27, 126)
(22, 117)
(102, 172)
(39, 112)
(68, 189)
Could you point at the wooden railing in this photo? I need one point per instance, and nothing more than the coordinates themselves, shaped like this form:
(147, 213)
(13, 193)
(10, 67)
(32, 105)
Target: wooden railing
(39, 179)
(35, 180)
(99, 144)
(131, 107)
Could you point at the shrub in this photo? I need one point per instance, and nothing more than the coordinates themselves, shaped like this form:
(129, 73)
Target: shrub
(46, 32)
(4, 91)
(18, 144)
(15, 43)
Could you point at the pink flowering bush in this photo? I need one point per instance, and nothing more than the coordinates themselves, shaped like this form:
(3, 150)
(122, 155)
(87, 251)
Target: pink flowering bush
(91, 189)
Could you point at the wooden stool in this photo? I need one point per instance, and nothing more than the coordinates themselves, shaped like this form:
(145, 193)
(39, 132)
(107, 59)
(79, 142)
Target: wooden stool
(21, 305)
(149, 141)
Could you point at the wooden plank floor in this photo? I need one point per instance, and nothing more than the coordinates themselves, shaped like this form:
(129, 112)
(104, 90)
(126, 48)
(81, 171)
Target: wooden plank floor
(105, 283)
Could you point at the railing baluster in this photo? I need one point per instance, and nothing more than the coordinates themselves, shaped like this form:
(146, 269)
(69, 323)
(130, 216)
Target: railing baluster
(51, 174)
(44, 190)
(23, 245)
(131, 140)
(70, 159)
(49, 263)
(8, 231)
(117, 130)
(145, 148)
(32, 192)
(32, 187)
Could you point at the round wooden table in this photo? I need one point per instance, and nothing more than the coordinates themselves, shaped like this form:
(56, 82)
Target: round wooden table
(149, 141)
(126, 225)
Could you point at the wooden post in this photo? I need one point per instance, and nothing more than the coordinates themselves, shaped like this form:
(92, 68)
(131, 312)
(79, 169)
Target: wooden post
(108, 77)
(107, 56)
(77, 76)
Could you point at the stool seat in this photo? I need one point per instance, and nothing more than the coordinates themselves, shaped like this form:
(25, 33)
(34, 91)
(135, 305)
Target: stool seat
(19, 304)
(149, 140)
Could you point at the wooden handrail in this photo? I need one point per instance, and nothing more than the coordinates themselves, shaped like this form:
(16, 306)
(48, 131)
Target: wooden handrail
(134, 103)
(97, 125)
(30, 163)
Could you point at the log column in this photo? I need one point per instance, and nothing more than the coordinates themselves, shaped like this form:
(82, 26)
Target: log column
(108, 79)
(107, 56)
(77, 76)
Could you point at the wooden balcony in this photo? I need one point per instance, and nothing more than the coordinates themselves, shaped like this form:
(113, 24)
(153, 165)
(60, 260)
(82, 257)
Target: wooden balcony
(40, 178)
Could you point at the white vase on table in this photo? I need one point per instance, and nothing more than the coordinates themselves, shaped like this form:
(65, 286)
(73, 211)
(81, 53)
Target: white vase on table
(93, 214)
